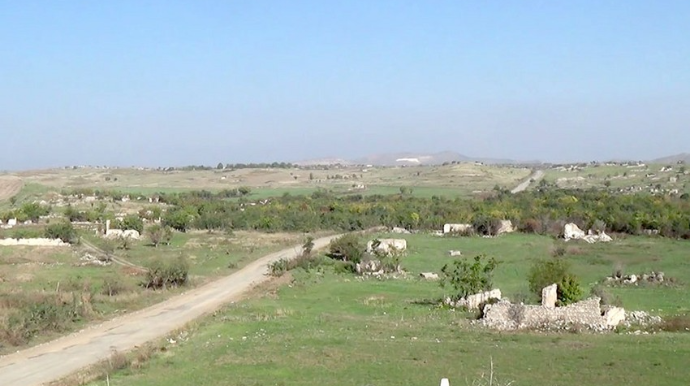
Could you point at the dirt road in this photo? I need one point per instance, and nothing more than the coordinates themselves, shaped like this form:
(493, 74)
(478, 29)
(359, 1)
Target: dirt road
(54, 360)
(536, 176)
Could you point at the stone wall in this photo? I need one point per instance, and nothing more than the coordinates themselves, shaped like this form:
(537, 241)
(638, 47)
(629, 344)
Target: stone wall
(587, 313)
(38, 242)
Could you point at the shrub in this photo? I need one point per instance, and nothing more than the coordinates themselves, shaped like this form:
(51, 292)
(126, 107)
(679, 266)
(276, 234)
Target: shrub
(304, 261)
(62, 230)
(279, 267)
(113, 286)
(39, 314)
(163, 274)
(348, 247)
(468, 278)
(159, 234)
(607, 298)
(677, 323)
(27, 233)
(569, 290)
(545, 272)
(559, 251)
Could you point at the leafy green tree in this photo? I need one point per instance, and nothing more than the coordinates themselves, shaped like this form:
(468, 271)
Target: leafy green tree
(155, 234)
(545, 272)
(132, 221)
(468, 277)
(62, 230)
(178, 219)
(33, 211)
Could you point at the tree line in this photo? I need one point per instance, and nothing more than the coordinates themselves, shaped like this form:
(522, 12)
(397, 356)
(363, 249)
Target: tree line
(544, 211)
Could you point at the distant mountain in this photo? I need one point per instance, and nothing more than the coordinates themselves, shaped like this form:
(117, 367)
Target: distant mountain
(408, 159)
(672, 159)
(323, 161)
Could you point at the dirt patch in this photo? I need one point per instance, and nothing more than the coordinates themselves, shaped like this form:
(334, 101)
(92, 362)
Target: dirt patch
(9, 187)
(269, 289)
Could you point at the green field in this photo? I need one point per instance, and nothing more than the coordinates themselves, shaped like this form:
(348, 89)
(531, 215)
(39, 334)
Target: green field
(327, 329)
(621, 177)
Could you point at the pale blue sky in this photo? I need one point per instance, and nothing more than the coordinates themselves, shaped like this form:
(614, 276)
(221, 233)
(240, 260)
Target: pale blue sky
(198, 82)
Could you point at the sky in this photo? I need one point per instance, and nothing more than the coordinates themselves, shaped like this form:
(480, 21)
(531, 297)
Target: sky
(171, 83)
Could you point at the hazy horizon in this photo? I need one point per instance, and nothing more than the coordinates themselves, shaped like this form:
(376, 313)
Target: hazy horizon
(177, 83)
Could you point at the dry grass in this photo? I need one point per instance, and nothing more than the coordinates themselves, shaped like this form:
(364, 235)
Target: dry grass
(469, 176)
(9, 187)
(677, 323)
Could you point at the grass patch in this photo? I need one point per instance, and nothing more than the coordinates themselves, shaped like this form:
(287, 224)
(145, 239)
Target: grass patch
(336, 329)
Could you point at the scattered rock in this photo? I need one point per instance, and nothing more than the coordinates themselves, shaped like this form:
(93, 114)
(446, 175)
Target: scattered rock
(429, 275)
(473, 302)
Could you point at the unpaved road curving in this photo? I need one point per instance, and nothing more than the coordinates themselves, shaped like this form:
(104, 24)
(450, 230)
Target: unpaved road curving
(59, 358)
(536, 176)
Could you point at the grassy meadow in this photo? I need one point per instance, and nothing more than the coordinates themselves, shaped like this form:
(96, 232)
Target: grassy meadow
(320, 328)
(621, 177)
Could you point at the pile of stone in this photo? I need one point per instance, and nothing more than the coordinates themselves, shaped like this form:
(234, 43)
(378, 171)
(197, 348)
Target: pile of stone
(89, 259)
(375, 268)
(474, 302)
(640, 319)
(653, 277)
(34, 242)
(573, 232)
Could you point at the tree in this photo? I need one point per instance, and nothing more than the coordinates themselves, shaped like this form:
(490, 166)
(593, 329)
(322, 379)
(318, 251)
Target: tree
(219, 166)
(159, 234)
(132, 221)
(467, 277)
(178, 219)
(108, 247)
(347, 248)
(34, 211)
(62, 230)
(244, 190)
(545, 272)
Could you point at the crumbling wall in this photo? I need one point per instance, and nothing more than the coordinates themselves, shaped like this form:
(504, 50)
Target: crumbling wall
(37, 242)
(587, 313)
